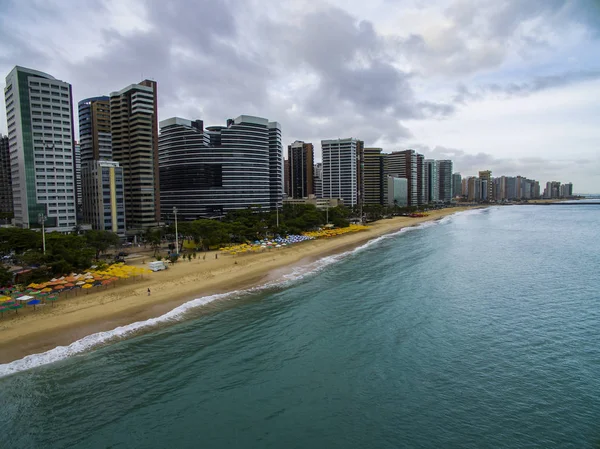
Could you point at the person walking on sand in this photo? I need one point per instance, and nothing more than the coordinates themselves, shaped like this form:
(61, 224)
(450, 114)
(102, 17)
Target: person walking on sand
(148, 292)
(216, 255)
(204, 257)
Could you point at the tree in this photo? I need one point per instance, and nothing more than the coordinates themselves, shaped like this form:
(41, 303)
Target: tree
(6, 276)
(101, 241)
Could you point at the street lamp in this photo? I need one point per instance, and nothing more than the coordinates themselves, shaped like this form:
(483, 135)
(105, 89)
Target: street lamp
(176, 233)
(42, 220)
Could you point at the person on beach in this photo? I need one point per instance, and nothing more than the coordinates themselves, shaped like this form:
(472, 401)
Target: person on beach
(204, 257)
(216, 255)
(148, 292)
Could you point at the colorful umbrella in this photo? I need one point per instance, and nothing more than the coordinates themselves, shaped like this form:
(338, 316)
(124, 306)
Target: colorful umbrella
(46, 290)
(16, 308)
(59, 287)
(69, 285)
(80, 283)
(51, 298)
(33, 302)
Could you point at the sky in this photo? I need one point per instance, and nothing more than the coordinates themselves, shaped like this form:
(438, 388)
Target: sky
(507, 85)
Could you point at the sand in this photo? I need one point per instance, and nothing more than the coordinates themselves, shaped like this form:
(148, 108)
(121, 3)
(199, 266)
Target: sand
(74, 317)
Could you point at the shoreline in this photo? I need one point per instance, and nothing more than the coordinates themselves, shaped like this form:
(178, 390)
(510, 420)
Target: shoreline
(74, 318)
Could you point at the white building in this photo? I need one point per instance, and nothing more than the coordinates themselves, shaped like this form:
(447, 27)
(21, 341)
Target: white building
(39, 114)
(341, 170)
(397, 191)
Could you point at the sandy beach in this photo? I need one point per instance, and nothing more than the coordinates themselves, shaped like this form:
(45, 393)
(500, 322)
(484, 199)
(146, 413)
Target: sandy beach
(75, 317)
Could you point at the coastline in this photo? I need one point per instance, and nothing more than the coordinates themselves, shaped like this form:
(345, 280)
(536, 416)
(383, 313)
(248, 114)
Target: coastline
(74, 318)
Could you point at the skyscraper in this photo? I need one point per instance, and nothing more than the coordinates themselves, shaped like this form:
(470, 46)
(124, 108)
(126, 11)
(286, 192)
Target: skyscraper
(318, 175)
(403, 164)
(431, 180)
(39, 114)
(78, 173)
(103, 202)
(341, 171)
(456, 185)
(444, 169)
(6, 203)
(286, 177)
(133, 113)
(95, 137)
(301, 166)
(422, 193)
(373, 178)
(207, 173)
(486, 181)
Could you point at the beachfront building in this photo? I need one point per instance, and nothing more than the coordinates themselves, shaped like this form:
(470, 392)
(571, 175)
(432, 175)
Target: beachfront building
(403, 164)
(397, 191)
(134, 137)
(95, 137)
(286, 178)
(422, 192)
(487, 188)
(39, 114)
(318, 177)
(319, 203)
(77, 149)
(431, 180)
(342, 177)
(6, 204)
(300, 169)
(374, 185)
(206, 173)
(456, 184)
(444, 175)
(474, 188)
(103, 203)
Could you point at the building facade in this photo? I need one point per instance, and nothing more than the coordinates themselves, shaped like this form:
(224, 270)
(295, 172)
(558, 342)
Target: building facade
(397, 191)
(39, 113)
(134, 136)
(300, 169)
(104, 203)
(403, 164)
(207, 173)
(95, 137)
(374, 185)
(341, 169)
(456, 184)
(318, 176)
(444, 173)
(431, 180)
(78, 191)
(6, 203)
(487, 193)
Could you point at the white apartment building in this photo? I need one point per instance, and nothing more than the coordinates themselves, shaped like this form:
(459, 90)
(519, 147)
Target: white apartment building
(39, 114)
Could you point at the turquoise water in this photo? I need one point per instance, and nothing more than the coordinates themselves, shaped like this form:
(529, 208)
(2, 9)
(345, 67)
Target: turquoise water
(481, 331)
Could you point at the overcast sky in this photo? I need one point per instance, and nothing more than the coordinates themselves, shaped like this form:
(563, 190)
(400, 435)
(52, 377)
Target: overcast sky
(507, 85)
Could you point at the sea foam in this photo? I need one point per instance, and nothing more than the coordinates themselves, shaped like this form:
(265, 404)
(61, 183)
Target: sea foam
(100, 338)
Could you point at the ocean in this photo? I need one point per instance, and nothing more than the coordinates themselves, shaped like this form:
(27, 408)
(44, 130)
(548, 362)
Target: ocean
(481, 330)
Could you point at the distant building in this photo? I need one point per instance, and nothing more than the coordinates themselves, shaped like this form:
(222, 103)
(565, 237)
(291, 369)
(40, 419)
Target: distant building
(286, 178)
(456, 185)
(397, 191)
(431, 181)
(403, 164)
(487, 193)
(95, 137)
(373, 177)
(474, 186)
(78, 174)
(300, 169)
(6, 203)
(104, 205)
(39, 112)
(341, 169)
(318, 176)
(134, 130)
(422, 190)
(444, 173)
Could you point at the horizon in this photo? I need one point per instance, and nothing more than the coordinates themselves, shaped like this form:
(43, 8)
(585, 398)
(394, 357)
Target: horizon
(499, 86)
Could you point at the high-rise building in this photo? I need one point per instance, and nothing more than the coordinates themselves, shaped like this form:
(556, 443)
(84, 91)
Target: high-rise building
(431, 180)
(286, 177)
(207, 173)
(318, 176)
(474, 186)
(6, 203)
(301, 166)
(95, 137)
(103, 203)
(341, 169)
(444, 173)
(373, 177)
(403, 164)
(39, 114)
(456, 184)
(133, 115)
(486, 177)
(78, 173)
(422, 193)
(397, 191)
